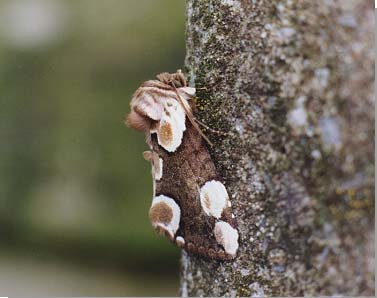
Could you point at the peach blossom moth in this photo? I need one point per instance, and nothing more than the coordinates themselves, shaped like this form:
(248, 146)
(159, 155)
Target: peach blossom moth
(191, 206)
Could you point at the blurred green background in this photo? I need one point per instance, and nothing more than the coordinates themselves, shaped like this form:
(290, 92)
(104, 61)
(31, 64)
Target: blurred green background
(75, 191)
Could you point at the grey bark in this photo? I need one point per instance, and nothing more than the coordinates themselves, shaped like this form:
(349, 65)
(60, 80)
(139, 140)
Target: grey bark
(291, 84)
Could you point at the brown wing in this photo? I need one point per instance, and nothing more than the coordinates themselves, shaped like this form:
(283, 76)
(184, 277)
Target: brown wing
(184, 172)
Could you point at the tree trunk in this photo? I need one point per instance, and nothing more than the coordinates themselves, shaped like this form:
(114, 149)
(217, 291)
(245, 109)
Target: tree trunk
(290, 83)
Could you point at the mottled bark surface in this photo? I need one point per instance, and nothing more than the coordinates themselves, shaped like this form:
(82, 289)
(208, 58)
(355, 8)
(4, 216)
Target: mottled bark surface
(291, 83)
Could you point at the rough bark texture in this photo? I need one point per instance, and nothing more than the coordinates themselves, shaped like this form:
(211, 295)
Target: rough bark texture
(291, 83)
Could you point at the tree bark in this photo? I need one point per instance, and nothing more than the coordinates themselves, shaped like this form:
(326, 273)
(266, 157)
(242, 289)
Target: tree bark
(291, 85)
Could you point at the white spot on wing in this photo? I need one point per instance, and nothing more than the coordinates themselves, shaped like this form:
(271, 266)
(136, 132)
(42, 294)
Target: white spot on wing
(158, 169)
(171, 126)
(186, 92)
(214, 198)
(180, 241)
(227, 237)
(173, 225)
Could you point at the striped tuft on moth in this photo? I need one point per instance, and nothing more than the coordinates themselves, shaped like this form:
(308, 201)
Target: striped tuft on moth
(190, 205)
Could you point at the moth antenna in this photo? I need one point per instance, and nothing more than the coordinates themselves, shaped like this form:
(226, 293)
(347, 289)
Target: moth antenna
(207, 88)
(190, 116)
(210, 129)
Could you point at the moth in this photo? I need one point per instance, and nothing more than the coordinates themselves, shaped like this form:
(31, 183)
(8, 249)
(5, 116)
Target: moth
(190, 205)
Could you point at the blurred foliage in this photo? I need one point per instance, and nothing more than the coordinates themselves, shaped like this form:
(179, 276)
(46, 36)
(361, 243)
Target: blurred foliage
(73, 181)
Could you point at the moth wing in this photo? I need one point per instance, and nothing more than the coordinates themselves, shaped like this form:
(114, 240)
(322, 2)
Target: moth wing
(207, 226)
(172, 125)
(165, 216)
(187, 92)
(146, 103)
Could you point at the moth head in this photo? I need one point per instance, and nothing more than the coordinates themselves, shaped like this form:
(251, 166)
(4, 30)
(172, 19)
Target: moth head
(165, 215)
(176, 80)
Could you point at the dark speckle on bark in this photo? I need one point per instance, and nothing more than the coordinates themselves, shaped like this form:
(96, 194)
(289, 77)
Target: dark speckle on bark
(290, 84)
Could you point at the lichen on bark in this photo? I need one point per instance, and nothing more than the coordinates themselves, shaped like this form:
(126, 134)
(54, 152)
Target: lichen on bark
(290, 85)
